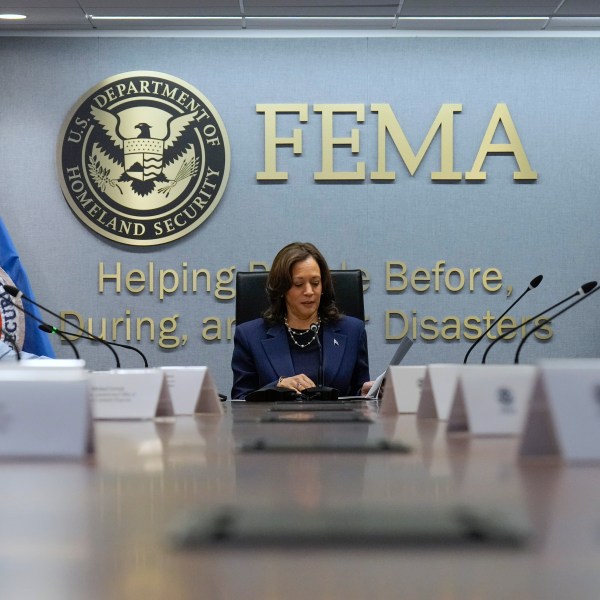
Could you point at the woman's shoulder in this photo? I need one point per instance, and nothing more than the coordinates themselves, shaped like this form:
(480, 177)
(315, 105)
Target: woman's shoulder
(253, 326)
(348, 323)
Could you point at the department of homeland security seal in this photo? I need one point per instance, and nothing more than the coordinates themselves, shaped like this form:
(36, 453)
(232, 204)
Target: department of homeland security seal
(143, 158)
(12, 320)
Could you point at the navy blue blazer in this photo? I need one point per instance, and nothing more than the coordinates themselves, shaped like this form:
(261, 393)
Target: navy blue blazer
(261, 355)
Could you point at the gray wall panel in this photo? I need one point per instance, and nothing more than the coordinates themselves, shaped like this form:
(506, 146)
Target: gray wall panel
(550, 227)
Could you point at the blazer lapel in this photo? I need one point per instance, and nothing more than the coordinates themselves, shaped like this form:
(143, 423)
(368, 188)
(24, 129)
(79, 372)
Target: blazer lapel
(277, 349)
(334, 346)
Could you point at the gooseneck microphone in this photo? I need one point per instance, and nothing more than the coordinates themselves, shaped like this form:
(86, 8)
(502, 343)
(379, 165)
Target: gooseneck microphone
(532, 285)
(582, 291)
(13, 340)
(87, 337)
(315, 329)
(49, 329)
(16, 293)
(549, 319)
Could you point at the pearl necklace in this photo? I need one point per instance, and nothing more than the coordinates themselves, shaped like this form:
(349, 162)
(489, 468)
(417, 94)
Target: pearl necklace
(292, 334)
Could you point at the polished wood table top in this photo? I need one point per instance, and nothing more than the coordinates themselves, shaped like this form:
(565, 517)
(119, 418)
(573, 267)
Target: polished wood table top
(98, 529)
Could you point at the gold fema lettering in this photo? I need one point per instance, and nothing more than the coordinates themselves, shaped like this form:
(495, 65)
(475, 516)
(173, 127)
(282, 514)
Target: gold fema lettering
(388, 127)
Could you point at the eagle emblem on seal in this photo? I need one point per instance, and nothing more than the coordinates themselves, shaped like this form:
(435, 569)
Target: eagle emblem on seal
(144, 157)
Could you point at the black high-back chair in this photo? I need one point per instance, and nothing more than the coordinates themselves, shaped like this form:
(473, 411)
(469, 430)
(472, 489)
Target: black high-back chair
(251, 296)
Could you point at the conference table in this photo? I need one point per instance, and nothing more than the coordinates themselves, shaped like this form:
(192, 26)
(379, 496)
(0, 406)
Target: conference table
(109, 526)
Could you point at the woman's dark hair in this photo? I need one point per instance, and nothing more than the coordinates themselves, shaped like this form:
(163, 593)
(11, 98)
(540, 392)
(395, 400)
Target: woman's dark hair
(279, 282)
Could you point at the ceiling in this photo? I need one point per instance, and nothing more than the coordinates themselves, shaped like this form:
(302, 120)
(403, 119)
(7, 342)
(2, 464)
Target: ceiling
(240, 15)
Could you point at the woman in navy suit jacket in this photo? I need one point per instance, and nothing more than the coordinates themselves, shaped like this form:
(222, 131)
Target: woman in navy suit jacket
(282, 350)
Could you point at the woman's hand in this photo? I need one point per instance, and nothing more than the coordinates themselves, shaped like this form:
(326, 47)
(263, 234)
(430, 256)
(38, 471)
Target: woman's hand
(366, 386)
(298, 383)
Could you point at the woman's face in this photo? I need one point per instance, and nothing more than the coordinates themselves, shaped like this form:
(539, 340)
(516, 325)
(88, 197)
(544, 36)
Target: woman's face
(303, 298)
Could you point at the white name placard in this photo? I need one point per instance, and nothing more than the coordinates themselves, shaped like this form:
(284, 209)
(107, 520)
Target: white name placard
(492, 399)
(45, 410)
(130, 394)
(402, 389)
(439, 387)
(192, 390)
(563, 420)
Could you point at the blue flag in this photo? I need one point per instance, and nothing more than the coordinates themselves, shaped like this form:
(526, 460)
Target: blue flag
(12, 272)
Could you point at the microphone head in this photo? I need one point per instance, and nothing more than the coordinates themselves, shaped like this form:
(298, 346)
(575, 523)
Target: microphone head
(535, 282)
(46, 328)
(587, 287)
(12, 290)
(314, 328)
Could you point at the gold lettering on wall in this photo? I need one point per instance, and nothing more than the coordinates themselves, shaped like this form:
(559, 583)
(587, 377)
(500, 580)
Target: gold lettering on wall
(328, 142)
(388, 124)
(451, 328)
(401, 282)
(451, 279)
(388, 127)
(514, 146)
(272, 141)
